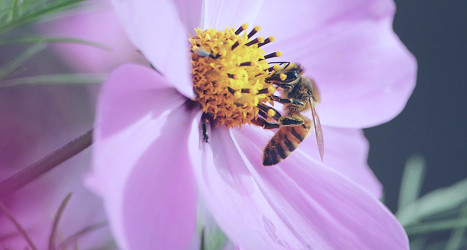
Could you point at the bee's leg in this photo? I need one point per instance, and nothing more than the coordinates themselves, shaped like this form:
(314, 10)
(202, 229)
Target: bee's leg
(205, 119)
(288, 100)
(265, 124)
(290, 121)
(266, 111)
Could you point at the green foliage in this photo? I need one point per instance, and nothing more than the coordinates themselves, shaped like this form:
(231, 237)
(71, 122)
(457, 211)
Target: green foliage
(440, 210)
(48, 39)
(14, 13)
(56, 79)
(438, 201)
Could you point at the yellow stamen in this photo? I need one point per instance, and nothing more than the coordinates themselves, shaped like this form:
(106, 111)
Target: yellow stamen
(229, 70)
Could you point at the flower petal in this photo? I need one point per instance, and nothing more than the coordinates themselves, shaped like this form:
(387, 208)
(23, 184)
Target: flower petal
(346, 152)
(297, 204)
(156, 28)
(365, 75)
(97, 25)
(220, 14)
(141, 166)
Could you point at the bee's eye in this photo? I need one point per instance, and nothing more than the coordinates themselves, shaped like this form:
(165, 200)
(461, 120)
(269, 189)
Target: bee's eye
(292, 75)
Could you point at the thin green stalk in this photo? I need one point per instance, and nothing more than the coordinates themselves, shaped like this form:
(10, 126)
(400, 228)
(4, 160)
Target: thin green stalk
(46, 164)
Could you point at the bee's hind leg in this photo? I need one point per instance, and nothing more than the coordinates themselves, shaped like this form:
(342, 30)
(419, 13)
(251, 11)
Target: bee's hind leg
(262, 122)
(288, 101)
(265, 124)
(290, 121)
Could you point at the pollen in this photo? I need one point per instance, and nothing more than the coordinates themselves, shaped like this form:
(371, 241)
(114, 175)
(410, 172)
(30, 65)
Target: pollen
(229, 74)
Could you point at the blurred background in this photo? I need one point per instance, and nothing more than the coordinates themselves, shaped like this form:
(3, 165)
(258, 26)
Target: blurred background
(434, 122)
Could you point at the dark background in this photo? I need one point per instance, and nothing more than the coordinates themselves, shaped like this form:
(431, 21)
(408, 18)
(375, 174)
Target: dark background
(434, 122)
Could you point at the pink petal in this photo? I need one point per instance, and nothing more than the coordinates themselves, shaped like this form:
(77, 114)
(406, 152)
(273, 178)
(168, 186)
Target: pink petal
(297, 204)
(364, 73)
(220, 14)
(141, 167)
(156, 28)
(300, 15)
(346, 152)
(97, 25)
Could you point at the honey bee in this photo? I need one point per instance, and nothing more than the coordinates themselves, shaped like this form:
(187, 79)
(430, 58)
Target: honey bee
(299, 94)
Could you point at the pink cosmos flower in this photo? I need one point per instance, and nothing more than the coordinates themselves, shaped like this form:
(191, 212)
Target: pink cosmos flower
(151, 164)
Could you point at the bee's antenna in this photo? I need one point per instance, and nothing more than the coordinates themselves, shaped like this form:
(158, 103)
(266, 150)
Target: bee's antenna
(280, 62)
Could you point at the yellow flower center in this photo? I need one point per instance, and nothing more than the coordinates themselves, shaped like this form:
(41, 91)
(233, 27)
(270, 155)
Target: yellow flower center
(229, 74)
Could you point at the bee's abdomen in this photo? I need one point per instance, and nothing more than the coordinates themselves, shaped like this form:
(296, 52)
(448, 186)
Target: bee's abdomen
(283, 143)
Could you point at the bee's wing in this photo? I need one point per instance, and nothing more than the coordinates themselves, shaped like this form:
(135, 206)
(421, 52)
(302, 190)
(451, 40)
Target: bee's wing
(318, 130)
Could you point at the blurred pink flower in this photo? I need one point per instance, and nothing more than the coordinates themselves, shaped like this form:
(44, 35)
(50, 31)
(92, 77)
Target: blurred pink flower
(150, 162)
(35, 121)
(96, 22)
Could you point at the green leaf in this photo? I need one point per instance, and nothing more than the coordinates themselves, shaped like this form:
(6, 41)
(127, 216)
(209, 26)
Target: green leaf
(430, 227)
(417, 244)
(28, 11)
(412, 180)
(214, 238)
(45, 39)
(440, 200)
(455, 241)
(56, 79)
(14, 10)
(20, 59)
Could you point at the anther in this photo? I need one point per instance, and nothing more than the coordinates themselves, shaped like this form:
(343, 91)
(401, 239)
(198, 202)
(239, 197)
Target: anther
(274, 54)
(241, 28)
(248, 64)
(268, 40)
(231, 90)
(232, 76)
(254, 31)
(246, 91)
(235, 45)
(265, 91)
(255, 41)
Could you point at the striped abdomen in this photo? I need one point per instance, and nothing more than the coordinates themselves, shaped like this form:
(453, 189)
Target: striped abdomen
(284, 142)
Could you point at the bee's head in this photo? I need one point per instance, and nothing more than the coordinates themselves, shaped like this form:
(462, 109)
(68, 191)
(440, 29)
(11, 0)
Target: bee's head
(292, 71)
(287, 73)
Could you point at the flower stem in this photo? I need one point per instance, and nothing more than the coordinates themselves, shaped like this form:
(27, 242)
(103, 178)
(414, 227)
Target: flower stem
(46, 164)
